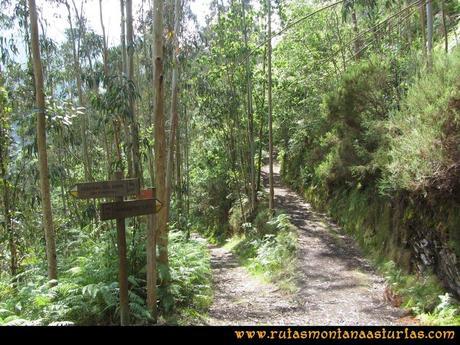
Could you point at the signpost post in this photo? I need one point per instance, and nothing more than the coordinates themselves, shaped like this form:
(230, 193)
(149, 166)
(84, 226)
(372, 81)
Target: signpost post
(120, 210)
(122, 263)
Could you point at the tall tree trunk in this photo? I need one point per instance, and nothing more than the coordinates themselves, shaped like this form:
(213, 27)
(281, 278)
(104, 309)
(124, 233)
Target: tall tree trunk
(104, 37)
(187, 170)
(132, 108)
(124, 57)
(4, 143)
(178, 188)
(444, 26)
(262, 116)
(271, 200)
(357, 43)
(250, 113)
(128, 148)
(77, 67)
(124, 72)
(41, 143)
(174, 118)
(429, 29)
(421, 11)
(107, 146)
(160, 144)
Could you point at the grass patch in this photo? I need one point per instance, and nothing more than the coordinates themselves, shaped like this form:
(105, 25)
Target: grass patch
(268, 249)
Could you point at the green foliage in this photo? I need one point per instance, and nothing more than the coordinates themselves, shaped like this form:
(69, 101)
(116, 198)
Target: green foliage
(87, 291)
(423, 135)
(424, 296)
(268, 248)
(356, 111)
(190, 267)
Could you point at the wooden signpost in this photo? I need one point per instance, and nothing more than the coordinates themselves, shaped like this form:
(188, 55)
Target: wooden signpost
(120, 210)
(106, 189)
(127, 209)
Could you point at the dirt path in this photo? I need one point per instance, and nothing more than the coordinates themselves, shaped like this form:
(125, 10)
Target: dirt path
(336, 285)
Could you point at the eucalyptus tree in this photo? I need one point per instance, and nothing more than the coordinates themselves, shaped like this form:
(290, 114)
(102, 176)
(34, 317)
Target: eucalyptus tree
(349, 9)
(250, 113)
(124, 54)
(429, 29)
(124, 72)
(76, 35)
(271, 200)
(41, 142)
(160, 233)
(5, 184)
(444, 26)
(104, 38)
(132, 109)
(174, 111)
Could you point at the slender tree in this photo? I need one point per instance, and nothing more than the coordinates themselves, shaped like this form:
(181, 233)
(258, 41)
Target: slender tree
(124, 72)
(104, 38)
(159, 145)
(444, 26)
(174, 117)
(124, 57)
(132, 109)
(76, 42)
(250, 115)
(5, 142)
(429, 29)
(421, 10)
(41, 143)
(271, 200)
(160, 139)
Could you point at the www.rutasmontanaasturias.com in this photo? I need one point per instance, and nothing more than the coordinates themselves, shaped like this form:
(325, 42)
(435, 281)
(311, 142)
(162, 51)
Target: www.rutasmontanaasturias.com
(339, 334)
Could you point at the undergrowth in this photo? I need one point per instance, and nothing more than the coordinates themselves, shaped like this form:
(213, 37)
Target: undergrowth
(424, 296)
(87, 290)
(267, 247)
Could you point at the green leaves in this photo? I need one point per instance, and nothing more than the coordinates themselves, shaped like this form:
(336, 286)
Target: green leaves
(114, 100)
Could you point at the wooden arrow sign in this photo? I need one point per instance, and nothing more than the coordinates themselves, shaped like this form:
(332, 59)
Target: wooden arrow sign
(126, 209)
(106, 189)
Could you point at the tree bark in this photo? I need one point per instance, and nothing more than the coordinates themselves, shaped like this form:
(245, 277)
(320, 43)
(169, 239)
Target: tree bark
(444, 27)
(41, 143)
(124, 57)
(4, 148)
(429, 27)
(271, 200)
(104, 37)
(77, 67)
(124, 72)
(421, 11)
(250, 113)
(160, 136)
(174, 118)
(160, 143)
(107, 146)
(357, 43)
(132, 109)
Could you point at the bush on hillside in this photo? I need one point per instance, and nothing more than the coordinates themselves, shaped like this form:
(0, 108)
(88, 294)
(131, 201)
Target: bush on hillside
(356, 112)
(424, 136)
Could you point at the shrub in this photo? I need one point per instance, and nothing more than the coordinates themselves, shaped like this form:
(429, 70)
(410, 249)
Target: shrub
(424, 143)
(356, 111)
